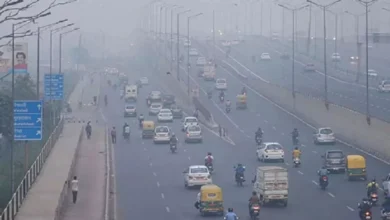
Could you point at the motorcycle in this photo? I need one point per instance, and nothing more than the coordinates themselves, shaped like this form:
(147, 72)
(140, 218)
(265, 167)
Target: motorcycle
(297, 162)
(366, 216)
(240, 179)
(210, 167)
(88, 135)
(385, 215)
(173, 148)
(126, 136)
(140, 123)
(221, 98)
(324, 182)
(295, 141)
(255, 211)
(259, 140)
(227, 109)
(373, 198)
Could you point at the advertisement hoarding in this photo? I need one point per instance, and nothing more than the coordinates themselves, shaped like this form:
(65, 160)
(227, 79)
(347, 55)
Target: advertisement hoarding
(21, 55)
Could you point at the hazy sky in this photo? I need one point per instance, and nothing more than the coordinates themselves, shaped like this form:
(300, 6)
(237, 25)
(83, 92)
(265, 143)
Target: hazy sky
(112, 21)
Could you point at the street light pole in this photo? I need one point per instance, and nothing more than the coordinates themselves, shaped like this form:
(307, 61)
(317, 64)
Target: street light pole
(214, 35)
(293, 11)
(367, 4)
(188, 51)
(60, 54)
(324, 9)
(177, 43)
(171, 41)
(261, 17)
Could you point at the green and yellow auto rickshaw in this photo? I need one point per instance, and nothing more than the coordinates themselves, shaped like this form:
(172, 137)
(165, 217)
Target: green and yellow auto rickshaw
(356, 167)
(211, 200)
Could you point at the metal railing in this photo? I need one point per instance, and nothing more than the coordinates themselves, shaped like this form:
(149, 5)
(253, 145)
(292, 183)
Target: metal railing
(20, 194)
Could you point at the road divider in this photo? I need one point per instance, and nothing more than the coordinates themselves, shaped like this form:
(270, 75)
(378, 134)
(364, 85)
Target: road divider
(350, 127)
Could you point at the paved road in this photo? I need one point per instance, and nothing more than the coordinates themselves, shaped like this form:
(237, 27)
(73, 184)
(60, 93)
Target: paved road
(150, 178)
(341, 91)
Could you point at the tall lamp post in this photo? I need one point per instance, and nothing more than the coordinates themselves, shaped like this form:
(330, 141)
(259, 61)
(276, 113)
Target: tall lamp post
(177, 43)
(188, 50)
(40, 29)
(171, 37)
(60, 52)
(293, 11)
(325, 8)
(335, 39)
(367, 4)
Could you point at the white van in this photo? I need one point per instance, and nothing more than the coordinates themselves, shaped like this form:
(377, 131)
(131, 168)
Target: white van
(131, 92)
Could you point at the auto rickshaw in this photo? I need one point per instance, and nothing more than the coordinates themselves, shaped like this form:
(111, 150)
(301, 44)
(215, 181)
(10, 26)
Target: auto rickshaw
(241, 101)
(211, 200)
(356, 167)
(148, 129)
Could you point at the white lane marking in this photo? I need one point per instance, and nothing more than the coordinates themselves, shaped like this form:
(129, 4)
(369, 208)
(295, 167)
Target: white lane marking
(300, 172)
(150, 164)
(331, 195)
(314, 151)
(144, 148)
(265, 121)
(143, 142)
(162, 196)
(189, 158)
(273, 127)
(167, 208)
(248, 136)
(350, 209)
(314, 182)
(185, 150)
(282, 134)
(158, 184)
(154, 174)
(103, 116)
(286, 163)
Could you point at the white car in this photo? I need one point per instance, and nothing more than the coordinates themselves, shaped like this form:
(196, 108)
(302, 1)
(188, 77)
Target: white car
(197, 175)
(372, 73)
(235, 42)
(165, 115)
(194, 52)
(144, 80)
(324, 136)
(189, 121)
(384, 86)
(130, 111)
(193, 134)
(336, 57)
(155, 108)
(270, 151)
(221, 84)
(201, 61)
(162, 134)
(226, 43)
(155, 95)
(353, 59)
(187, 43)
(265, 56)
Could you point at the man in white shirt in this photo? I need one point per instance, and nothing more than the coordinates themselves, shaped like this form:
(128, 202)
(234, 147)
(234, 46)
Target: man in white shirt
(197, 203)
(75, 188)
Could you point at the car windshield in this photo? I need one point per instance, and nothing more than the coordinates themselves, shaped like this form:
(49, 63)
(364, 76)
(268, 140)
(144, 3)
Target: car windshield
(310, 64)
(265, 54)
(335, 154)
(169, 97)
(199, 170)
(221, 81)
(190, 120)
(386, 82)
(326, 131)
(194, 128)
(156, 93)
(371, 71)
(274, 147)
(162, 130)
(166, 111)
(156, 106)
(202, 59)
(193, 49)
(130, 107)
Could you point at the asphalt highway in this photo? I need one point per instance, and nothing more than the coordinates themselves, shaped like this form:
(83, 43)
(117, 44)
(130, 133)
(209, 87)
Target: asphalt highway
(150, 183)
(340, 91)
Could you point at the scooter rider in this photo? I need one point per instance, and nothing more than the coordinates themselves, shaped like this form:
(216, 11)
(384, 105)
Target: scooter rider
(296, 153)
(243, 91)
(208, 160)
(295, 134)
(254, 199)
(173, 140)
(231, 215)
(372, 187)
(386, 205)
(364, 206)
(141, 119)
(221, 94)
(322, 172)
(105, 100)
(258, 134)
(228, 104)
(126, 129)
(240, 169)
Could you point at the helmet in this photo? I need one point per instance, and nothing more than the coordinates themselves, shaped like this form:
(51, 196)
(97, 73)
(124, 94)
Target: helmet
(373, 180)
(209, 153)
(259, 129)
(295, 129)
(254, 193)
(365, 200)
(113, 127)
(126, 124)
(296, 148)
(173, 134)
(141, 114)
(239, 164)
(230, 209)
(323, 167)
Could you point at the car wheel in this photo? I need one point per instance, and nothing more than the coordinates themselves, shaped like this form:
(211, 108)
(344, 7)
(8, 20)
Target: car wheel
(282, 160)
(185, 185)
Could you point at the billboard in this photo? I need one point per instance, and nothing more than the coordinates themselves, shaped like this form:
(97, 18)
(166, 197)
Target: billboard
(21, 55)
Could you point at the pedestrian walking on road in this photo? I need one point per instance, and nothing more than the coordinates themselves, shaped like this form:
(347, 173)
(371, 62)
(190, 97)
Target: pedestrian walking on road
(75, 188)
(88, 130)
(113, 135)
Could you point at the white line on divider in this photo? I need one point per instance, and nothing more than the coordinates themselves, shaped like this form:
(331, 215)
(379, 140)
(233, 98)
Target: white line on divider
(330, 194)
(351, 209)
(314, 182)
(162, 196)
(158, 184)
(167, 208)
(300, 172)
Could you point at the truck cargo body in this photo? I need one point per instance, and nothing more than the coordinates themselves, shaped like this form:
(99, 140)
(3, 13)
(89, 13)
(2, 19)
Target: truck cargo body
(272, 184)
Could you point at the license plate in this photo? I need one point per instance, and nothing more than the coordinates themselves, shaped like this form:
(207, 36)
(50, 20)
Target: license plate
(368, 217)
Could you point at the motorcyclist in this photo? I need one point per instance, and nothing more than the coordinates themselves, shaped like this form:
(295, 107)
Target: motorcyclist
(196, 113)
(386, 205)
(364, 206)
(372, 187)
(141, 119)
(254, 199)
(208, 160)
(240, 169)
(228, 104)
(259, 133)
(221, 94)
(173, 140)
(105, 100)
(243, 91)
(126, 129)
(322, 172)
(295, 135)
(296, 153)
(209, 93)
(231, 215)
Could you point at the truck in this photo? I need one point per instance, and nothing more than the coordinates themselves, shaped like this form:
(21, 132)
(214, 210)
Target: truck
(271, 184)
(131, 92)
(209, 72)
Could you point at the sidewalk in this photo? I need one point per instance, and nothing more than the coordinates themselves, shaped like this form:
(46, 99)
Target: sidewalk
(90, 171)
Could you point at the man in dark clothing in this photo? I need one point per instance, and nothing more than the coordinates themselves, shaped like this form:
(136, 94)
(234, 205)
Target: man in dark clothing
(113, 135)
(88, 130)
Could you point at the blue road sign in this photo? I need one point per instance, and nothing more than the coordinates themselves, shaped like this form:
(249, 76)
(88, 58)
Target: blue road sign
(28, 120)
(54, 86)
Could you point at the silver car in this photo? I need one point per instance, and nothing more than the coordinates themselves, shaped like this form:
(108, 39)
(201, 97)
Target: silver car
(193, 134)
(162, 134)
(130, 111)
(324, 136)
(155, 108)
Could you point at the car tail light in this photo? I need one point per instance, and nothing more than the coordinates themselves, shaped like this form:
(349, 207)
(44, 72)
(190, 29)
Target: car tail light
(190, 177)
(209, 176)
(188, 134)
(325, 178)
(374, 195)
(368, 213)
